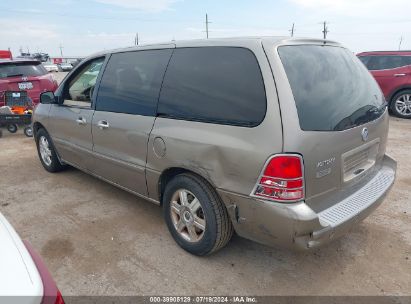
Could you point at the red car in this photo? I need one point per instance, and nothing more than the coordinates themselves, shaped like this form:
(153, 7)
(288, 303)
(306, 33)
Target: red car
(27, 76)
(392, 70)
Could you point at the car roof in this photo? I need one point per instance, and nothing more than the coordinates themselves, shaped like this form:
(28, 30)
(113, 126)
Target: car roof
(19, 60)
(231, 41)
(386, 53)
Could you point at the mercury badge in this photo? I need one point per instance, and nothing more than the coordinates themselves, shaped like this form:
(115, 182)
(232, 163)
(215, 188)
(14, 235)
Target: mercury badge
(24, 78)
(364, 134)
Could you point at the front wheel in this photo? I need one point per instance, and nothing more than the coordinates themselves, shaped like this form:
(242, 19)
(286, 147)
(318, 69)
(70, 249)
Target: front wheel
(195, 215)
(47, 153)
(401, 104)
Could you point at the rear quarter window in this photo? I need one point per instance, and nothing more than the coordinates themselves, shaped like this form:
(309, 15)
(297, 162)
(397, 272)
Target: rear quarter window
(221, 85)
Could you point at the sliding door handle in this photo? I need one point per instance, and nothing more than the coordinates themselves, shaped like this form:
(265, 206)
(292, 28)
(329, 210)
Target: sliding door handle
(81, 121)
(103, 124)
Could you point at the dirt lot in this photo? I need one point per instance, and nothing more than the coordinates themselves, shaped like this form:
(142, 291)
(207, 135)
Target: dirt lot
(99, 240)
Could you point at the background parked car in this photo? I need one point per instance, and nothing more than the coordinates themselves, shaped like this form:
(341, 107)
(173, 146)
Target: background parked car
(392, 70)
(51, 67)
(26, 76)
(23, 273)
(65, 66)
(43, 57)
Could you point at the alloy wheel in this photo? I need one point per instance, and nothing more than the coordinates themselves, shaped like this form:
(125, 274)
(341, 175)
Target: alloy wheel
(403, 104)
(45, 151)
(187, 215)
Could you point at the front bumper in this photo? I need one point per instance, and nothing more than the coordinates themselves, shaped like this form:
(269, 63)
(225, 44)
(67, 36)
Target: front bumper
(297, 225)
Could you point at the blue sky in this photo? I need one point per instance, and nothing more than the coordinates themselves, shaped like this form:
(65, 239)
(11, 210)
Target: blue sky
(87, 26)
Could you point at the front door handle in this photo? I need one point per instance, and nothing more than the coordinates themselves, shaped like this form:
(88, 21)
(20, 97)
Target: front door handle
(81, 121)
(103, 124)
(400, 75)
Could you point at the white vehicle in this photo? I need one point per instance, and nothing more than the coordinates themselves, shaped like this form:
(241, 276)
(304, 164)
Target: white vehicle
(51, 67)
(23, 277)
(66, 67)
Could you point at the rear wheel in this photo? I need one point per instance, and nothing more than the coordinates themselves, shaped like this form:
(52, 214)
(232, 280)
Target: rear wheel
(47, 153)
(195, 215)
(401, 104)
(12, 128)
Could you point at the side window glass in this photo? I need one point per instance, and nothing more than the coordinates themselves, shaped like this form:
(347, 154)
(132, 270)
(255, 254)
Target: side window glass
(393, 62)
(385, 62)
(365, 60)
(131, 82)
(406, 60)
(80, 89)
(221, 85)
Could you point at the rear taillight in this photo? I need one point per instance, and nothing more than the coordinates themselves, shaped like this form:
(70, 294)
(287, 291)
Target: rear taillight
(51, 294)
(282, 179)
(59, 298)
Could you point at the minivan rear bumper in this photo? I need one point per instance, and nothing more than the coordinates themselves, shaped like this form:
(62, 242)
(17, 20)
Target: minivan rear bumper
(296, 225)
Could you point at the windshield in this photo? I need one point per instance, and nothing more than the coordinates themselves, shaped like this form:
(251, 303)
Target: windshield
(332, 89)
(21, 69)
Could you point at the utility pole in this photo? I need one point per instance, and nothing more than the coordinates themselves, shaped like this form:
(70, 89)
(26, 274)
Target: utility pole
(399, 46)
(61, 50)
(325, 29)
(136, 39)
(206, 24)
(292, 30)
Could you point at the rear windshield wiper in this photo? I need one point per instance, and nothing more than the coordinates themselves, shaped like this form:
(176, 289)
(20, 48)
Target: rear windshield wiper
(14, 75)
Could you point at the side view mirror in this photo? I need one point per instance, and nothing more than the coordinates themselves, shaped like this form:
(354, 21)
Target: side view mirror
(48, 98)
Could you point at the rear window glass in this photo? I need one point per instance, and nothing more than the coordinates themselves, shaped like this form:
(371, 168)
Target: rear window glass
(21, 69)
(220, 85)
(332, 89)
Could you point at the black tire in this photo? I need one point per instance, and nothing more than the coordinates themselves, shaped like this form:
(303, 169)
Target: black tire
(393, 106)
(28, 131)
(218, 229)
(12, 128)
(55, 164)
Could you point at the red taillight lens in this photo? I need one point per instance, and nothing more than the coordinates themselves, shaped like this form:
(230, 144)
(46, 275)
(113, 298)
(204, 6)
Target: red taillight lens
(59, 298)
(282, 179)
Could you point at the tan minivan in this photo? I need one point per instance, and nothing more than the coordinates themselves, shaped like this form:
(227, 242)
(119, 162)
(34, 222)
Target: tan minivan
(281, 140)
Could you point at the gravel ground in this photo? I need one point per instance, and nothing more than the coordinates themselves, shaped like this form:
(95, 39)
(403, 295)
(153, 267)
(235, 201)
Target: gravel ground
(99, 240)
(60, 76)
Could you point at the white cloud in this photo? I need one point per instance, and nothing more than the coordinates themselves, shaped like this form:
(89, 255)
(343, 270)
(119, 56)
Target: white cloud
(29, 35)
(144, 5)
(366, 8)
(112, 36)
(17, 30)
